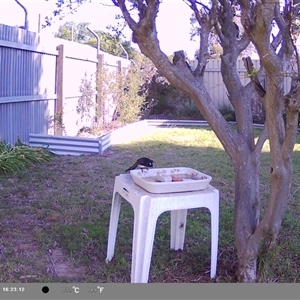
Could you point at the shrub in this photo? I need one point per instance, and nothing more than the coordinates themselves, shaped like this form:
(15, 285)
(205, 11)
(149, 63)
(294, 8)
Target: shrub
(132, 98)
(20, 157)
(227, 112)
(189, 110)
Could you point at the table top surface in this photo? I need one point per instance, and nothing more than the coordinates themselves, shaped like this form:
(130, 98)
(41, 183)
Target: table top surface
(130, 185)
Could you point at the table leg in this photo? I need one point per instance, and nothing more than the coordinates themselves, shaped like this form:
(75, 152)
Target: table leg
(145, 220)
(178, 225)
(113, 225)
(214, 238)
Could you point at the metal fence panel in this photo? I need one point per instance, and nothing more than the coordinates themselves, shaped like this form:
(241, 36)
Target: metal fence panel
(17, 35)
(27, 85)
(214, 83)
(26, 73)
(21, 118)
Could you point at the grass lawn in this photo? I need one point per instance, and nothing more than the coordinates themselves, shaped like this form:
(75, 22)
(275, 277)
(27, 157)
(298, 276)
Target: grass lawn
(54, 217)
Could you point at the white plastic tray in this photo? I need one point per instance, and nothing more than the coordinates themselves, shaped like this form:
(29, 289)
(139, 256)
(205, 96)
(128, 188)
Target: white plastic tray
(193, 180)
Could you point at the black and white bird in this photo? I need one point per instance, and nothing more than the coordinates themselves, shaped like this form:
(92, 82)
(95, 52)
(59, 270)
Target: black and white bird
(142, 163)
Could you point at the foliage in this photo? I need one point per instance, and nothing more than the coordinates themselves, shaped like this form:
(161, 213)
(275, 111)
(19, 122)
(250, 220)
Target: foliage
(56, 122)
(161, 97)
(227, 112)
(132, 97)
(63, 8)
(108, 90)
(20, 157)
(117, 29)
(109, 43)
(187, 110)
(112, 44)
(74, 32)
(121, 91)
(85, 101)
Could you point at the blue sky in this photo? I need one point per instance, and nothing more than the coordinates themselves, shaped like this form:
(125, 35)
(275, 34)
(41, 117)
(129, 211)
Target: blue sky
(173, 23)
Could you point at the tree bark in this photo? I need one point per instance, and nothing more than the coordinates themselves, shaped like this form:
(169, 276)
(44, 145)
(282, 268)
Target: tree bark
(247, 211)
(264, 237)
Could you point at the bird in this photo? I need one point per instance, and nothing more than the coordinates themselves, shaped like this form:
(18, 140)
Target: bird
(142, 163)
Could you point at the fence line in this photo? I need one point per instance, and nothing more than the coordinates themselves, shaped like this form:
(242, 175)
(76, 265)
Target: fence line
(41, 79)
(214, 83)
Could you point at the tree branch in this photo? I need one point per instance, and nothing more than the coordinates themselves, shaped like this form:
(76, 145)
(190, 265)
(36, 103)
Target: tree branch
(150, 13)
(276, 40)
(227, 29)
(220, 33)
(292, 108)
(257, 23)
(261, 139)
(284, 23)
(206, 20)
(253, 76)
(130, 21)
(225, 19)
(193, 5)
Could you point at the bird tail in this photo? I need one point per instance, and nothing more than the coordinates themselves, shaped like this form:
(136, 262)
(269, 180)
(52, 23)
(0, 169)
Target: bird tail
(132, 167)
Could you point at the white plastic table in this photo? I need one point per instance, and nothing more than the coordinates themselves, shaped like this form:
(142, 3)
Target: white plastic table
(147, 208)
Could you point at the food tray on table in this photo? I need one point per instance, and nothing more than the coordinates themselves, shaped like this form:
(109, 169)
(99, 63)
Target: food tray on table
(170, 180)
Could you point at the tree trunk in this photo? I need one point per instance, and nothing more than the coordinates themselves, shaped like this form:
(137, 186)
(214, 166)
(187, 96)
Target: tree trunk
(252, 235)
(264, 237)
(247, 210)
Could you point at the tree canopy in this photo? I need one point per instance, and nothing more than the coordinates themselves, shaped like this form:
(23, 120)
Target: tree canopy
(108, 42)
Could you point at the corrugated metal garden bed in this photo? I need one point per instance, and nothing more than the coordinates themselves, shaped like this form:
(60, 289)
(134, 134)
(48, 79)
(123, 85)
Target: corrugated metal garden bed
(66, 145)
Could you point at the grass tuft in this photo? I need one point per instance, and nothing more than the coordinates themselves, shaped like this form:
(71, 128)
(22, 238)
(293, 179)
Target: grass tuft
(20, 157)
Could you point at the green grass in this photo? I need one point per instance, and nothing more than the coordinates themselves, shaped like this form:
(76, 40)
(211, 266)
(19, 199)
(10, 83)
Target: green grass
(54, 217)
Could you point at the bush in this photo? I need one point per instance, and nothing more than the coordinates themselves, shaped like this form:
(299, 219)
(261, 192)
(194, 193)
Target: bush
(121, 92)
(189, 110)
(227, 112)
(131, 99)
(20, 157)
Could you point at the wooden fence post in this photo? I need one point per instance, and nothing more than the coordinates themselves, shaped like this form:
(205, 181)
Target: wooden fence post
(119, 67)
(58, 118)
(120, 79)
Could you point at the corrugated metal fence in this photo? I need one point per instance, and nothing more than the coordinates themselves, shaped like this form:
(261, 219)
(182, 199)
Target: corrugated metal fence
(41, 79)
(214, 83)
(27, 84)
